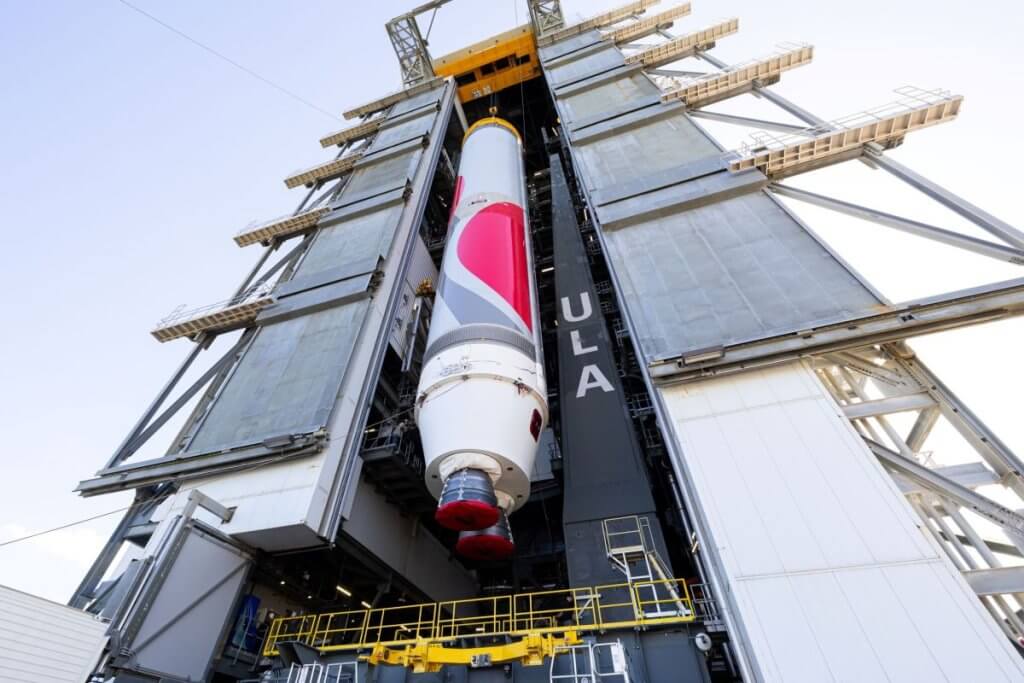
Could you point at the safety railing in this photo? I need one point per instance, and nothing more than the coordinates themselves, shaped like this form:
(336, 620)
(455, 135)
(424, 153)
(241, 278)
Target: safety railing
(639, 604)
(777, 155)
(221, 316)
(627, 534)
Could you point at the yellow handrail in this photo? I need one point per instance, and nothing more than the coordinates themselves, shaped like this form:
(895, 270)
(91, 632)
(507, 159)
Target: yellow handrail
(640, 604)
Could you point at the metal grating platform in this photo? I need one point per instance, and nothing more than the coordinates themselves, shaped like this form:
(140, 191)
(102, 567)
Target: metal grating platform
(220, 317)
(708, 90)
(778, 156)
(684, 46)
(352, 133)
(279, 227)
(605, 19)
(649, 24)
(326, 171)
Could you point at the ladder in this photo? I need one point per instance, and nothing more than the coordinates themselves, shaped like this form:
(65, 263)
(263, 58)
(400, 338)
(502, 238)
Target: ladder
(335, 672)
(630, 547)
(589, 662)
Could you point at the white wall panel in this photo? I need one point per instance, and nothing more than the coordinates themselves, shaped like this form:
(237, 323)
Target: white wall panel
(45, 642)
(831, 576)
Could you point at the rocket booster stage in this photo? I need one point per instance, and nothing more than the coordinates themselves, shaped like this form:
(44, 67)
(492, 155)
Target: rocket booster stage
(482, 399)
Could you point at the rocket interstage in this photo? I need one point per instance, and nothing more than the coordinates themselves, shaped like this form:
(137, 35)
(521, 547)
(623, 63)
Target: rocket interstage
(482, 399)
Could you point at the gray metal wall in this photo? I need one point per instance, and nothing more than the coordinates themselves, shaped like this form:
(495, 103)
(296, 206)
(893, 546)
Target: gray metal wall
(702, 256)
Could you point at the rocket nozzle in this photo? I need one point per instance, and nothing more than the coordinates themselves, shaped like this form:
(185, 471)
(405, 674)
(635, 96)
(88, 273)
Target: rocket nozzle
(491, 544)
(467, 502)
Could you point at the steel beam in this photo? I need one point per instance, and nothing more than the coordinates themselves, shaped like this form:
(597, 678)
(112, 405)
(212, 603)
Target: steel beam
(887, 406)
(153, 427)
(123, 451)
(976, 215)
(142, 509)
(923, 427)
(979, 217)
(969, 475)
(1007, 519)
(760, 124)
(598, 21)
(681, 47)
(650, 24)
(176, 468)
(776, 99)
(675, 73)
(888, 323)
(997, 581)
(410, 46)
(953, 239)
(546, 16)
(989, 446)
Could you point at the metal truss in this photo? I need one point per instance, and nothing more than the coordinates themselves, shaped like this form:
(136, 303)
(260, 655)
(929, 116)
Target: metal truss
(411, 50)
(876, 383)
(410, 45)
(546, 16)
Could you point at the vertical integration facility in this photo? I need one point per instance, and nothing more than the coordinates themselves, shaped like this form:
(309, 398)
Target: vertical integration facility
(539, 382)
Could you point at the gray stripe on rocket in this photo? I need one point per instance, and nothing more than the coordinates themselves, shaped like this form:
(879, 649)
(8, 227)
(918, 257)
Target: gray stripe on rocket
(469, 307)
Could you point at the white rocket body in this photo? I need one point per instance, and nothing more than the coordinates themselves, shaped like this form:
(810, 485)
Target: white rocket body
(482, 399)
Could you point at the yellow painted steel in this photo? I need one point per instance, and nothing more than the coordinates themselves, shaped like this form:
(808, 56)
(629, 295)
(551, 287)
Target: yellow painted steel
(492, 121)
(429, 656)
(491, 65)
(640, 604)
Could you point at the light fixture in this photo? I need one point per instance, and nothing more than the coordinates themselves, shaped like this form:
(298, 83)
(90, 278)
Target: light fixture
(547, 270)
(344, 591)
(309, 597)
(365, 604)
(282, 582)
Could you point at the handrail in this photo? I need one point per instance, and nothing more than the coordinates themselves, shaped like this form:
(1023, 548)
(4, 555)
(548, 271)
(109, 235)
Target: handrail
(610, 606)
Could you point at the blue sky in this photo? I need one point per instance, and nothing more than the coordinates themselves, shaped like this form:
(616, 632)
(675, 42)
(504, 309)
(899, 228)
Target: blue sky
(130, 157)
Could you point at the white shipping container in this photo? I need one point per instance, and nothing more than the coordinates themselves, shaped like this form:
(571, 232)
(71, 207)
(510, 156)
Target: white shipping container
(46, 642)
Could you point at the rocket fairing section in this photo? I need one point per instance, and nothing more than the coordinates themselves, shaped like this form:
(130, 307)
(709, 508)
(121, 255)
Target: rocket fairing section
(482, 399)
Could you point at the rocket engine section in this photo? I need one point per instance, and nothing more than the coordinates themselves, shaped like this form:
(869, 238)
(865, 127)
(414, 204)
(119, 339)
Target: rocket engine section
(482, 399)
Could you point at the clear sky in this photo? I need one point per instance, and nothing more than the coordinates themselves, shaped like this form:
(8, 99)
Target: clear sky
(130, 157)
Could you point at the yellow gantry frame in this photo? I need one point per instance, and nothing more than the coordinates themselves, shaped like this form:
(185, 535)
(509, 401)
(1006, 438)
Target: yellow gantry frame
(428, 656)
(417, 634)
(494, 64)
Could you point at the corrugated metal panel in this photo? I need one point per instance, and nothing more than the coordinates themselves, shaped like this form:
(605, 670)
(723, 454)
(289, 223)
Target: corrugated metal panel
(287, 381)
(569, 45)
(45, 642)
(617, 93)
(349, 242)
(596, 62)
(703, 271)
(381, 175)
(735, 270)
(392, 135)
(832, 578)
(643, 151)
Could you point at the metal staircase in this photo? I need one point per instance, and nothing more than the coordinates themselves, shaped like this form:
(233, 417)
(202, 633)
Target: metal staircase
(630, 547)
(589, 662)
